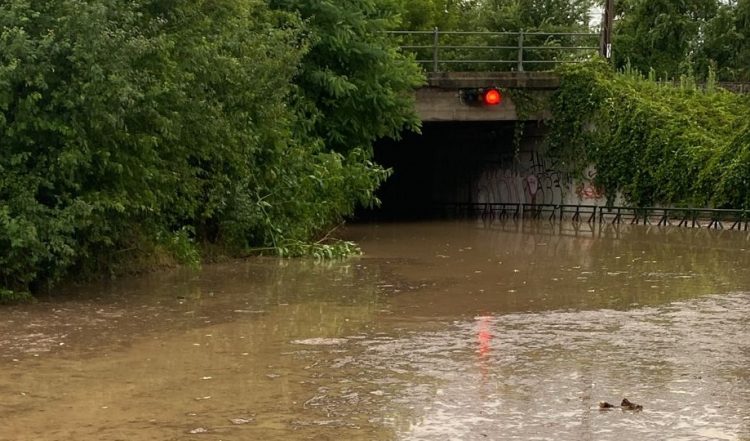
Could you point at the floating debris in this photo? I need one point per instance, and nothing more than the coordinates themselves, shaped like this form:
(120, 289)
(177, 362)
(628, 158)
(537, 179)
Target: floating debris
(627, 405)
(624, 405)
(320, 341)
(198, 430)
(239, 421)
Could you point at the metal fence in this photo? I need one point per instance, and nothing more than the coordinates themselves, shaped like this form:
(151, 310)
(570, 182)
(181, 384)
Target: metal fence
(710, 218)
(440, 51)
(735, 87)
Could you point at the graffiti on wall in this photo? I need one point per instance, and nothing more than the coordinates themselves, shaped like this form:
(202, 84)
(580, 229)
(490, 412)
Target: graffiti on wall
(586, 190)
(532, 178)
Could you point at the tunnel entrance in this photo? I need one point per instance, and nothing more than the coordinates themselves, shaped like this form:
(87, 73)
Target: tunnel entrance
(444, 165)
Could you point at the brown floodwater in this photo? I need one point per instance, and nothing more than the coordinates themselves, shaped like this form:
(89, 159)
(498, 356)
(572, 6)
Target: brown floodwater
(440, 331)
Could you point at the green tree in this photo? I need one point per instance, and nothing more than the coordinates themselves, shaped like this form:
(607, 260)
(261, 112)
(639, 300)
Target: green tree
(742, 23)
(726, 42)
(124, 126)
(355, 86)
(131, 132)
(447, 15)
(533, 15)
(668, 36)
(496, 15)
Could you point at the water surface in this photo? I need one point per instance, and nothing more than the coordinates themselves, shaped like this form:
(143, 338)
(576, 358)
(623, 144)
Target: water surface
(441, 331)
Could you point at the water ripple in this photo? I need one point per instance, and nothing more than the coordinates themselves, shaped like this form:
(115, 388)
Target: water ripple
(541, 376)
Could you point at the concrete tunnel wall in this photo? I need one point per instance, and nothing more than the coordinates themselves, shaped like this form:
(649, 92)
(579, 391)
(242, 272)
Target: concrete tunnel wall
(474, 162)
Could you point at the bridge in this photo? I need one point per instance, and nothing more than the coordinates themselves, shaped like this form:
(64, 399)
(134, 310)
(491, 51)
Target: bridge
(440, 100)
(455, 61)
(467, 152)
(474, 158)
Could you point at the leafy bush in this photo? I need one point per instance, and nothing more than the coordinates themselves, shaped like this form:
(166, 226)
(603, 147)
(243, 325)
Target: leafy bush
(141, 129)
(732, 173)
(354, 84)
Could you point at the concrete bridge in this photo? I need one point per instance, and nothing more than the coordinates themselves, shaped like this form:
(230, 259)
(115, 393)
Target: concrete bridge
(471, 155)
(460, 61)
(440, 99)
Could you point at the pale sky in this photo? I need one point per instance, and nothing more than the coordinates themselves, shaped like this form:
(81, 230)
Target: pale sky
(596, 16)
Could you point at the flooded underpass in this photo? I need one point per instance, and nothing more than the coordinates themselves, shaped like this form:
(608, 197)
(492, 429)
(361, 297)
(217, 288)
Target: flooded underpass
(455, 330)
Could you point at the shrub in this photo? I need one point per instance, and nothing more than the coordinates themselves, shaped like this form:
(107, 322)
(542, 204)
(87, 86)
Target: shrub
(141, 128)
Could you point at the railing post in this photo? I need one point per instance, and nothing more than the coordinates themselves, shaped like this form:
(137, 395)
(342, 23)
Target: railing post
(435, 49)
(520, 51)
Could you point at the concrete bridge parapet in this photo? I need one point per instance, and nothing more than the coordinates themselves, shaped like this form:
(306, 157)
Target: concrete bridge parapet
(440, 99)
(510, 80)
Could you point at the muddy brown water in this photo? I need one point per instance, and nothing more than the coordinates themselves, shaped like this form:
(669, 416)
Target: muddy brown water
(441, 331)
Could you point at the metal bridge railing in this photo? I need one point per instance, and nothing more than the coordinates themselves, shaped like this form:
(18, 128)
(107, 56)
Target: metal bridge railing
(442, 51)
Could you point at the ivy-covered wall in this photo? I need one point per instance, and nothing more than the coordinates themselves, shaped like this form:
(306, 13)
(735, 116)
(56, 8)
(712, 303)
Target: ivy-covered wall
(519, 168)
(533, 177)
(653, 143)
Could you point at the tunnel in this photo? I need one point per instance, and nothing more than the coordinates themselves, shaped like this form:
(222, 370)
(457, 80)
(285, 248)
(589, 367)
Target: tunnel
(448, 163)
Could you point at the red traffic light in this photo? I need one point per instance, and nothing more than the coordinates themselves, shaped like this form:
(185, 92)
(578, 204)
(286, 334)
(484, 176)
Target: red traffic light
(492, 97)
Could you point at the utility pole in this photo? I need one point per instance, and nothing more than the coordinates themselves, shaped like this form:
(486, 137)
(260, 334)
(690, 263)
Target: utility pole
(605, 46)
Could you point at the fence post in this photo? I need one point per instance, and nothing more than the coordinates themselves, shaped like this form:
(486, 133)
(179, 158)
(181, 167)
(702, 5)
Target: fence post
(435, 49)
(520, 51)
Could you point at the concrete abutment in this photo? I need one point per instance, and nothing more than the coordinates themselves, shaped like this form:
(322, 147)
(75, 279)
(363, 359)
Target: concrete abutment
(475, 162)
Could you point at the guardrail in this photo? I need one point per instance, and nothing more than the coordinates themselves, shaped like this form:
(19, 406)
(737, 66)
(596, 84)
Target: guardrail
(710, 218)
(458, 50)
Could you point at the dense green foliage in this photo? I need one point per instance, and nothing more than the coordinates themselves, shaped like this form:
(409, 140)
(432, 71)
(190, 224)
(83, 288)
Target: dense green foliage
(142, 132)
(449, 15)
(726, 44)
(497, 15)
(687, 37)
(353, 80)
(133, 133)
(547, 26)
(684, 37)
(654, 143)
(536, 15)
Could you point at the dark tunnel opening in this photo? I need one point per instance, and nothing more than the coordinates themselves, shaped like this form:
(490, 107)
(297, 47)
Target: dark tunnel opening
(442, 166)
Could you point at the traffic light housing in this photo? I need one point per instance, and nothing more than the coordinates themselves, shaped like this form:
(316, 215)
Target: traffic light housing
(489, 96)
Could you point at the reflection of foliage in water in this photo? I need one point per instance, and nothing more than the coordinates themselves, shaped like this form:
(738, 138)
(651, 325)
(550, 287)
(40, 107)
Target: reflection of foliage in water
(644, 265)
